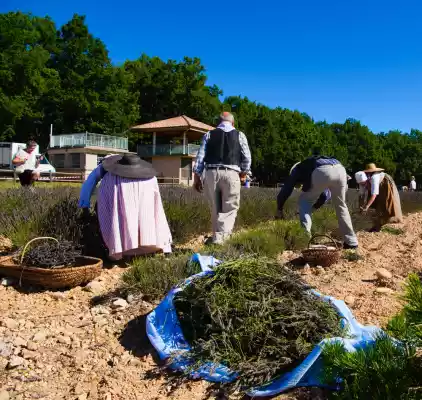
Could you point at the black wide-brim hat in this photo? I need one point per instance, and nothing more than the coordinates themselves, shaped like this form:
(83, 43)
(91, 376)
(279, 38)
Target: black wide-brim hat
(129, 166)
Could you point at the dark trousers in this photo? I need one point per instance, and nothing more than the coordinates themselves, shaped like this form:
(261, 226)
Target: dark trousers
(25, 178)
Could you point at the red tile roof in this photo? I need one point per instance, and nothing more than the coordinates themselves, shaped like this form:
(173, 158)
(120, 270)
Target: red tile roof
(182, 122)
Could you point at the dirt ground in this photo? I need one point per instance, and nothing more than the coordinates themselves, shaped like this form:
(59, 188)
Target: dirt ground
(80, 344)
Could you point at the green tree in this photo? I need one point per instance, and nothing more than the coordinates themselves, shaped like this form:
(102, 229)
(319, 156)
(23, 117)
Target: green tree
(26, 79)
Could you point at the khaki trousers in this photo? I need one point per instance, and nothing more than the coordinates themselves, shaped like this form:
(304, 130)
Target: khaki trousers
(222, 188)
(333, 177)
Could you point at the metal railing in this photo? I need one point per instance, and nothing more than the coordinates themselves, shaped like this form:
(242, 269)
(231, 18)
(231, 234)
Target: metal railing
(89, 140)
(167, 150)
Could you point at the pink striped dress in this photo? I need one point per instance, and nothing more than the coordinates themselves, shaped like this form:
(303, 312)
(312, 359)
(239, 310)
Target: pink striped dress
(131, 217)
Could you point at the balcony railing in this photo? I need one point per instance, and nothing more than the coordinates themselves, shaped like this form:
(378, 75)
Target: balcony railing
(167, 150)
(89, 140)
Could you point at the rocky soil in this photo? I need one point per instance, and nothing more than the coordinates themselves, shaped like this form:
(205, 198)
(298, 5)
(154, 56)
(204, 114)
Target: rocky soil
(89, 343)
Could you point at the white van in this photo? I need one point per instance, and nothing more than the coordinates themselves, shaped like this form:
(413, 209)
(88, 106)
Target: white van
(8, 151)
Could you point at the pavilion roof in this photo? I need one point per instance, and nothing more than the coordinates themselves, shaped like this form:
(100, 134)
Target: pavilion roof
(182, 122)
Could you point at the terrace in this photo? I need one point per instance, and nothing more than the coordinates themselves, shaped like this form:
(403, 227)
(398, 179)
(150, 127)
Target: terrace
(93, 140)
(167, 150)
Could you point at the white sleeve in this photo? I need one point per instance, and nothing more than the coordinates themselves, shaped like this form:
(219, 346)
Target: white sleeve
(375, 184)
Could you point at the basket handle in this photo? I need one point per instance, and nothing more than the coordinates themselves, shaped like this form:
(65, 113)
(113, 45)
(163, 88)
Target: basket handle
(326, 236)
(33, 240)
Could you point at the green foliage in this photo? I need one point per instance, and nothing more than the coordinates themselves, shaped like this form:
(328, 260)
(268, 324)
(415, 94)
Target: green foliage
(254, 316)
(407, 326)
(382, 371)
(155, 276)
(268, 240)
(387, 369)
(64, 76)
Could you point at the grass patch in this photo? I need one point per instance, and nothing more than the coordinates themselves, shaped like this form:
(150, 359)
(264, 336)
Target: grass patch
(155, 276)
(352, 255)
(267, 240)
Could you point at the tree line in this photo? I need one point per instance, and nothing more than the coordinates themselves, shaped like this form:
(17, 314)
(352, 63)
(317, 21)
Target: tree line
(65, 77)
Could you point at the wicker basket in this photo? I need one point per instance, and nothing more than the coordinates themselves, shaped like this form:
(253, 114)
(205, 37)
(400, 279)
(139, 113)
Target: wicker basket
(86, 269)
(321, 255)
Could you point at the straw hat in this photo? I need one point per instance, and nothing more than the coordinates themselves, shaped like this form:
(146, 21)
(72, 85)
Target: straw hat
(372, 168)
(129, 166)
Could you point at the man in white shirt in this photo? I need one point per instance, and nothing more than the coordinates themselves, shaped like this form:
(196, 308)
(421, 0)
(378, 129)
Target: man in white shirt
(224, 158)
(26, 163)
(412, 186)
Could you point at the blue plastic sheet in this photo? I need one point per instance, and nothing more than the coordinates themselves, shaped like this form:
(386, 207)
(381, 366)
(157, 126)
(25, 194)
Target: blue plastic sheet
(164, 332)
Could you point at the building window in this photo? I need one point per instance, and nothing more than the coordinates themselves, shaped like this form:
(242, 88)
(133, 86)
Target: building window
(75, 160)
(58, 160)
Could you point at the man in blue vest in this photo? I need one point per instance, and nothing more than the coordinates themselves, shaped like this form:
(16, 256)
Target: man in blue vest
(317, 174)
(223, 161)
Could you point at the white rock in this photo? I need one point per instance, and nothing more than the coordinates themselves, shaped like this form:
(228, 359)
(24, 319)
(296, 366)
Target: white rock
(64, 340)
(29, 355)
(5, 349)
(32, 346)
(4, 395)
(9, 323)
(130, 298)
(100, 320)
(93, 287)
(20, 342)
(382, 273)
(58, 295)
(15, 361)
(119, 303)
(8, 281)
(384, 290)
(100, 310)
(306, 270)
(40, 336)
(83, 396)
(349, 300)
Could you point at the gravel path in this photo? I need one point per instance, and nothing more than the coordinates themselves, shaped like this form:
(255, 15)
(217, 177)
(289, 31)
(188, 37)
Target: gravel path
(86, 343)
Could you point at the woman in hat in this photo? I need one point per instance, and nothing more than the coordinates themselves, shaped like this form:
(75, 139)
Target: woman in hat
(383, 196)
(130, 211)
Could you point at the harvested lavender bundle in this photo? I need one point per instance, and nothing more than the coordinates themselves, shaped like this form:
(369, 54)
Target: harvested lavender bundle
(254, 316)
(52, 255)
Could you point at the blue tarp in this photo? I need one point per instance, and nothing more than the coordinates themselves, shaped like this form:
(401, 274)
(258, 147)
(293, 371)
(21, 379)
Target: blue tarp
(164, 332)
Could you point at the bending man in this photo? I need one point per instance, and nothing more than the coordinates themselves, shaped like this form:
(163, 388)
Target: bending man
(316, 174)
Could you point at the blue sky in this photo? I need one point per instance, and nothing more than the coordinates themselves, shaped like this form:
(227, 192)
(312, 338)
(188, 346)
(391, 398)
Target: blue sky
(331, 59)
